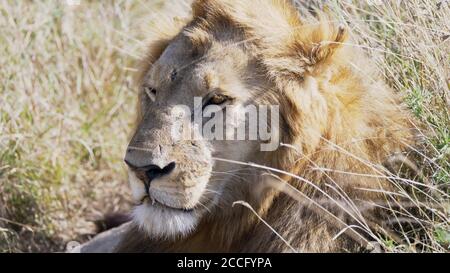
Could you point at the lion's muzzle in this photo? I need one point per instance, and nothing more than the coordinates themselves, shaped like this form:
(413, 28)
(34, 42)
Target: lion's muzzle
(172, 172)
(150, 172)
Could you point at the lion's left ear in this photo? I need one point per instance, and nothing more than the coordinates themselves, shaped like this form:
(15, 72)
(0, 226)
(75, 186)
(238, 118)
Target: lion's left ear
(330, 41)
(304, 48)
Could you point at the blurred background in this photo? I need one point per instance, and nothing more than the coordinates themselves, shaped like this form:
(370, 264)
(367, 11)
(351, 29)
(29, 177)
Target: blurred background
(67, 104)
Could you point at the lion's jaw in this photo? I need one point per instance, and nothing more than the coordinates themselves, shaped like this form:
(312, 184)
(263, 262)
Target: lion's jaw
(159, 219)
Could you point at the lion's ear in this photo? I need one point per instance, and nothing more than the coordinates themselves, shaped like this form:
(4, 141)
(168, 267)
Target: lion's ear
(304, 48)
(329, 41)
(316, 43)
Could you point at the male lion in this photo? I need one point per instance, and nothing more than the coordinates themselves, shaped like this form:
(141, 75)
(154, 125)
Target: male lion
(316, 192)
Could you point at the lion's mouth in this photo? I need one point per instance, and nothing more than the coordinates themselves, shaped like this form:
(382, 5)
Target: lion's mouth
(148, 200)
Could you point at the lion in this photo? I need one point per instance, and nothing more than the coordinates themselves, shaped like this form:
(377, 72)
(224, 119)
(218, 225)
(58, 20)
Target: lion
(338, 123)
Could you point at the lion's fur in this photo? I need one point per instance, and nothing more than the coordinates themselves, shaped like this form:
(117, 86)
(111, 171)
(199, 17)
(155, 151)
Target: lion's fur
(338, 117)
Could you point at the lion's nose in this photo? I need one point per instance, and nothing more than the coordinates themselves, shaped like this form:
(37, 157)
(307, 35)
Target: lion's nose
(151, 172)
(154, 171)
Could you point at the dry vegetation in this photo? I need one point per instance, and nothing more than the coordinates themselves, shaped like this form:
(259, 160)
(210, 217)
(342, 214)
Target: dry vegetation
(66, 101)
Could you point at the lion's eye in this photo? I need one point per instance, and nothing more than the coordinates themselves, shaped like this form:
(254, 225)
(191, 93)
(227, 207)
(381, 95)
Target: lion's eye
(151, 92)
(173, 75)
(217, 99)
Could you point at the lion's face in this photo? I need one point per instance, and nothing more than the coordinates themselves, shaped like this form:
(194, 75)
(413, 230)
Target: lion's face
(176, 182)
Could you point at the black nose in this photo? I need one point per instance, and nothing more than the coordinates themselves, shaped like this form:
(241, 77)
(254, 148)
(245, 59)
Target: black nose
(152, 171)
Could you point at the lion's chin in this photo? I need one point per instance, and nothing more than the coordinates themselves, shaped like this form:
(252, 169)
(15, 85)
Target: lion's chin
(163, 222)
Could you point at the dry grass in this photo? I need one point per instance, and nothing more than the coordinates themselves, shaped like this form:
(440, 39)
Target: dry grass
(66, 103)
(64, 118)
(410, 41)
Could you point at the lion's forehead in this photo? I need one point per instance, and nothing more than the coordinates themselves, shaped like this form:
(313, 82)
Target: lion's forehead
(222, 57)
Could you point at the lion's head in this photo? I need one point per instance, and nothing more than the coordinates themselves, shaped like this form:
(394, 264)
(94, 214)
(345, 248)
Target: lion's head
(241, 53)
(179, 180)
